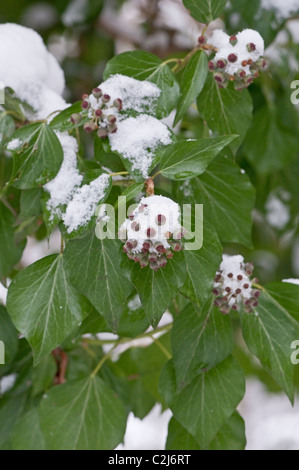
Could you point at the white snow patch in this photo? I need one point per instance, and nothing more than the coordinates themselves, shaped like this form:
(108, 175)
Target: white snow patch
(7, 382)
(137, 139)
(135, 94)
(30, 70)
(14, 144)
(292, 281)
(3, 294)
(68, 179)
(135, 303)
(84, 203)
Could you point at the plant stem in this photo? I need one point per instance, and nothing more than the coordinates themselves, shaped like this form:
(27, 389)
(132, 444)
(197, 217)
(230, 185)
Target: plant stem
(148, 334)
(120, 173)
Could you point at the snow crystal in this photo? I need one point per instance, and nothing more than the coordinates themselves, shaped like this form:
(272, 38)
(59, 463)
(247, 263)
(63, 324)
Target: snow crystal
(14, 144)
(63, 186)
(292, 281)
(84, 203)
(138, 138)
(221, 41)
(283, 9)
(134, 303)
(135, 94)
(278, 213)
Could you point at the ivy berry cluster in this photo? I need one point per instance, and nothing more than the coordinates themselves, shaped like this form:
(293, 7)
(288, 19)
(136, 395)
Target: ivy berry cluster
(238, 58)
(101, 111)
(233, 286)
(153, 233)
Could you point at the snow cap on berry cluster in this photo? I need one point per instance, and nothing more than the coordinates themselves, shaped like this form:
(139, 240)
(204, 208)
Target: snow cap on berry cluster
(239, 57)
(153, 232)
(233, 286)
(106, 101)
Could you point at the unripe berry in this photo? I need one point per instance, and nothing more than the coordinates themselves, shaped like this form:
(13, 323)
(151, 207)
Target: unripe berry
(135, 226)
(97, 93)
(221, 64)
(76, 118)
(88, 127)
(106, 99)
(251, 47)
(160, 219)
(112, 128)
(232, 58)
(111, 119)
(146, 246)
(118, 104)
(85, 105)
(151, 232)
(131, 244)
(152, 257)
(161, 262)
(102, 133)
(160, 247)
(202, 40)
(219, 77)
(233, 40)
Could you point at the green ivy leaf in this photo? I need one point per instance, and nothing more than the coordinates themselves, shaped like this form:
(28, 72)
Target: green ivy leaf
(230, 437)
(140, 368)
(188, 159)
(157, 289)
(200, 340)
(129, 193)
(269, 335)
(226, 111)
(43, 375)
(27, 434)
(11, 409)
(8, 334)
(82, 415)
(43, 305)
(146, 66)
(8, 242)
(62, 122)
(7, 127)
(192, 83)
(228, 198)
(40, 157)
(287, 295)
(94, 269)
(205, 11)
(215, 393)
(30, 203)
(201, 266)
(270, 145)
